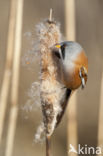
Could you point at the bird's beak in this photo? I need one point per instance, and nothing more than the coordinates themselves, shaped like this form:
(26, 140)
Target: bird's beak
(58, 46)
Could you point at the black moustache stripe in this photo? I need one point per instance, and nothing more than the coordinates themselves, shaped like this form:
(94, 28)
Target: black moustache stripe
(63, 51)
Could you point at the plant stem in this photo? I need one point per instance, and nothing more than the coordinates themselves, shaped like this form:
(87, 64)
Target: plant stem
(100, 122)
(70, 19)
(50, 16)
(15, 79)
(48, 151)
(8, 66)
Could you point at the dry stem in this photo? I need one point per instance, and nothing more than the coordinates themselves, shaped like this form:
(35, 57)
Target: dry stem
(48, 147)
(50, 17)
(100, 123)
(7, 72)
(71, 113)
(15, 79)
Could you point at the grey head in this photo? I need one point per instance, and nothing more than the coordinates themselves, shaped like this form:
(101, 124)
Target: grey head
(69, 50)
(67, 53)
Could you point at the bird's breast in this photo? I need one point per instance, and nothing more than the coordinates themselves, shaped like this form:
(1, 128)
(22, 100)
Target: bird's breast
(71, 77)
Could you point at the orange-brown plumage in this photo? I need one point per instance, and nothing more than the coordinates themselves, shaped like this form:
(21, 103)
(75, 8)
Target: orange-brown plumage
(75, 80)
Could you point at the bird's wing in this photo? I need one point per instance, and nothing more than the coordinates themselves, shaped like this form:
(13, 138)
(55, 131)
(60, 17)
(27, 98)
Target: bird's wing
(63, 105)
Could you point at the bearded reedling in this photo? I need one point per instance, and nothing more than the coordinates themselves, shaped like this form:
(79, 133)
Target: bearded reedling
(64, 68)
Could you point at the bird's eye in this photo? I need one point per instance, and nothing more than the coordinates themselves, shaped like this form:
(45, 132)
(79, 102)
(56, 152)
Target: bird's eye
(57, 54)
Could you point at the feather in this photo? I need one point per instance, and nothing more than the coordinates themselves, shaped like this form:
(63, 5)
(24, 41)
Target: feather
(63, 105)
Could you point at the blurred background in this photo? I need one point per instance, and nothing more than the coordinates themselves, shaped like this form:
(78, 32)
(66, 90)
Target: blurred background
(89, 25)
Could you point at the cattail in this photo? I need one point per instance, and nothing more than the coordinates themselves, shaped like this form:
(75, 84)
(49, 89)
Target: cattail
(52, 93)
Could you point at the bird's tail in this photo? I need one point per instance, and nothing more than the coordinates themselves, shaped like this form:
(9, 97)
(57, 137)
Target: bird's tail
(63, 105)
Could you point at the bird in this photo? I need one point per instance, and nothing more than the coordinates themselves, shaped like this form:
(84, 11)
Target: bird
(73, 69)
